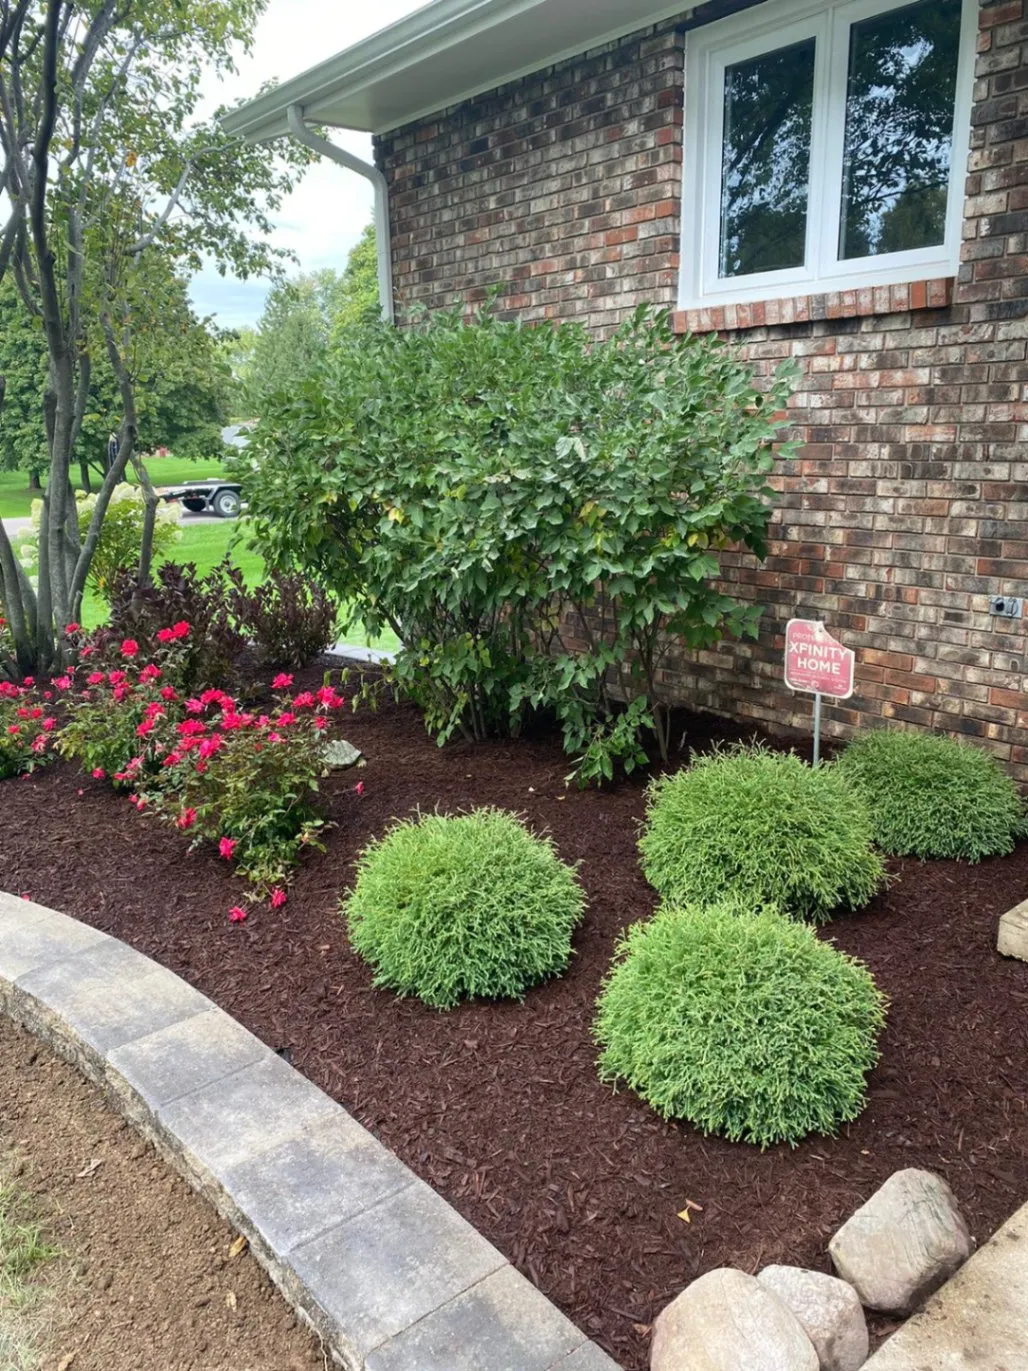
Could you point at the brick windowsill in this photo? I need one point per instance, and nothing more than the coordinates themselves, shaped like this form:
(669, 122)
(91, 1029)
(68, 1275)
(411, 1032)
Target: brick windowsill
(842, 304)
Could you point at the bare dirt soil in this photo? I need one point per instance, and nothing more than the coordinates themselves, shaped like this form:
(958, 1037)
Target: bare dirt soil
(498, 1106)
(146, 1278)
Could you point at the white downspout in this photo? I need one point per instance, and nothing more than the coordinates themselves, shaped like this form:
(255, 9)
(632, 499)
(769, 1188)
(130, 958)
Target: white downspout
(316, 143)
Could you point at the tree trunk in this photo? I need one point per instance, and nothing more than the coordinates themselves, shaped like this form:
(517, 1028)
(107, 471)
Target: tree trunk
(84, 477)
(34, 482)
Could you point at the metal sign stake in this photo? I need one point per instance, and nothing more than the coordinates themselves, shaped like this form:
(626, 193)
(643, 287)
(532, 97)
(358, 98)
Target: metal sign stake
(817, 727)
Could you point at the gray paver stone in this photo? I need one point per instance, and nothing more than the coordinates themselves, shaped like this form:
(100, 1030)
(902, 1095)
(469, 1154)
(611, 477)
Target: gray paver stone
(588, 1357)
(728, 1321)
(308, 1184)
(32, 937)
(978, 1321)
(155, 1070)
(240, 1117)
(1013, 932)
(903, 1243)
(391, 1265)
(502, 1323)
(829, 1311)
(102, 998)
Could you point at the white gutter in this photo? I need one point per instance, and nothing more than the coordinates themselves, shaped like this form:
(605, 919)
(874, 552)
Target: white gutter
(300, 131)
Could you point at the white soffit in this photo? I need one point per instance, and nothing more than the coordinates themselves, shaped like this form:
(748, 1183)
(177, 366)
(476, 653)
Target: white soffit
(445, 52)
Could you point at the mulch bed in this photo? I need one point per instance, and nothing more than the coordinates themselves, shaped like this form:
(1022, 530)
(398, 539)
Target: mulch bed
(498, 1106)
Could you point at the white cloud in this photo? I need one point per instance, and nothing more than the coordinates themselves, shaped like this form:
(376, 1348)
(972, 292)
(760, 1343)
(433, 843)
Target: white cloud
(324, 216)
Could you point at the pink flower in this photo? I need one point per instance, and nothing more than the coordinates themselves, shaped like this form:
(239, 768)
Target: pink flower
(169, 693)
(189, 728)
(95, 678)
(150, 673)
(275, 738)
(278, 898)
(172, 759)
(29, 681)
(72, 628)
(14, 730)
(194, 706)
(210, 745)
(145, 728)
(129, 647)
(186, 819)
(117, 677)
(328, 697)
(282, 681)
(305, 700)
(38, 743)
(321, 722)
(87, 652)
(63, 682)
(99, 774)
(236, 915)
(138, 801)
(226, 848)
(201, 768)
(359, 788)
(285, 719)
(49, 725)
(213, 697)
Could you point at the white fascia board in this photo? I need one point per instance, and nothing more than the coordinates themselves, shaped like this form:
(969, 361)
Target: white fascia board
(341, 90)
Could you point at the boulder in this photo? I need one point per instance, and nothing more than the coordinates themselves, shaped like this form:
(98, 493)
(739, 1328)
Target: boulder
(903, 1243)
(829, 1311)
(728, 1321)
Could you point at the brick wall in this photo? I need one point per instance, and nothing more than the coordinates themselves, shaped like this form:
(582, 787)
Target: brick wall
(908, 505)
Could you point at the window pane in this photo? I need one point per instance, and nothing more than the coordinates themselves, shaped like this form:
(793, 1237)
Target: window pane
(766, 161)
(899, 129)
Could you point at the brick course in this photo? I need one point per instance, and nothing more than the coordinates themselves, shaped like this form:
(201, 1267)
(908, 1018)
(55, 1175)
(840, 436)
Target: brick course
(907, 507)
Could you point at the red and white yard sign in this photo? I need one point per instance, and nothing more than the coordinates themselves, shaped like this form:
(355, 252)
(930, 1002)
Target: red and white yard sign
(815, 662)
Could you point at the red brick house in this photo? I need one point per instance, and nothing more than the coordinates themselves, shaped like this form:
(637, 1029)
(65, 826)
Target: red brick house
(843, 182)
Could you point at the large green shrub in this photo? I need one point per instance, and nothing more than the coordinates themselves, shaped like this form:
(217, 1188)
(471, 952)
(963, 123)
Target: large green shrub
(479, 487)
(762, 827)
(446, 908)
(741, 1022)
(930, 796)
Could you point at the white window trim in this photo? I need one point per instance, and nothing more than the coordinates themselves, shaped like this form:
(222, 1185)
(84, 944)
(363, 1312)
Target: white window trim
(761, 29)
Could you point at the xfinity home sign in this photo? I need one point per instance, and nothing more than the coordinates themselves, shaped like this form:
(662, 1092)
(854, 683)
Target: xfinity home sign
(815, 662)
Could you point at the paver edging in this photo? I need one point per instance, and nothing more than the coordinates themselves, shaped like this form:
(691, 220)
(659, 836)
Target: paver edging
(385, 1271)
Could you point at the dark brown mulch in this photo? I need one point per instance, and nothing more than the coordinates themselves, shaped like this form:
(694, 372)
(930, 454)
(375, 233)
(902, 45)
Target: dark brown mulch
(499, 1106)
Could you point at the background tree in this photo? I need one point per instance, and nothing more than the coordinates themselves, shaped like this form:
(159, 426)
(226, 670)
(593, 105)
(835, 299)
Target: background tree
(305, 316)
(104, 163)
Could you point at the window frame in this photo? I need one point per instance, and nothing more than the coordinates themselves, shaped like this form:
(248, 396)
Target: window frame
(765, 28)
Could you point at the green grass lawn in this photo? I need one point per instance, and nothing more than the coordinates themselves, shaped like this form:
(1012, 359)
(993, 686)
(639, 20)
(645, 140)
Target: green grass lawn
(16, 498)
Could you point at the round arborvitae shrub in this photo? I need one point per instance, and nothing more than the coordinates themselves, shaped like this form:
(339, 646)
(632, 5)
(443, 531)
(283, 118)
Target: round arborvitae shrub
(930, 796)
(446, 908)
(743, 1023)
(761, 827)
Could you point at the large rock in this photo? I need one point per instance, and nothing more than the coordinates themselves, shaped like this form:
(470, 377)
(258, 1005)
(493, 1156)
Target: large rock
(829, 1311)
(727, 1321)
(903, 1243)
(1013, 932)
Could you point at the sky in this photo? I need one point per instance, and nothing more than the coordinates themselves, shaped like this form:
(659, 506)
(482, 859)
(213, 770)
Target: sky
(323, 217)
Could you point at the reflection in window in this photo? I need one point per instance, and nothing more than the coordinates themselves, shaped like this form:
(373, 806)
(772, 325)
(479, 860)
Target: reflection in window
(899, 129)
(766, 161)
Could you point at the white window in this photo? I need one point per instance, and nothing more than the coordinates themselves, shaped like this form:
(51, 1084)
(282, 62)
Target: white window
(825, 147)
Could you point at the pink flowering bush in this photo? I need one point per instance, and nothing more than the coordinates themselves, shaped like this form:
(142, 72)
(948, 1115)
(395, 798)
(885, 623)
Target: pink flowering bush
(27, 728)
(248, 781)
(116, 720)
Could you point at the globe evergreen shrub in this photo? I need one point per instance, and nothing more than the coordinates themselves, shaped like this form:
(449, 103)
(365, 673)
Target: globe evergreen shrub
(763, 827)
(931, 796)
(450, 908)
(741, 1022)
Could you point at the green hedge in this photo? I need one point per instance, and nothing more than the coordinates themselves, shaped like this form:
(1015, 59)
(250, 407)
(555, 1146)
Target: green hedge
(931, 796)
(741, 1022)
(761, 827)
(451, 908)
